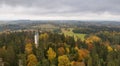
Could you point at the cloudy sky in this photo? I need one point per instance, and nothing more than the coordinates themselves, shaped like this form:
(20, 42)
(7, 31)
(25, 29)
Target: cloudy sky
(60, 9)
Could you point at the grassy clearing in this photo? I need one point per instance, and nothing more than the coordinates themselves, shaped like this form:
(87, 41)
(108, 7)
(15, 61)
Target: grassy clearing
(70, 33)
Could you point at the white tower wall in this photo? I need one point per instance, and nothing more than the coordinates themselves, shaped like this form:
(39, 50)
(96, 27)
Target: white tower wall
(36, 39)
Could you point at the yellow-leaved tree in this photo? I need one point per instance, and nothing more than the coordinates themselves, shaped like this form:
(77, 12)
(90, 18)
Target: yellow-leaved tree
(44, 37)
(63, 61)
(109, 48)
(107, 44)
(28, 48)
(76, 48)
(31, 60)
(67, 50)
(51, 54)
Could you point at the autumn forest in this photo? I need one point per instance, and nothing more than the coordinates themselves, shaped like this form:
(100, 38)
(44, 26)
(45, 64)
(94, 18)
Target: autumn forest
(62, 47)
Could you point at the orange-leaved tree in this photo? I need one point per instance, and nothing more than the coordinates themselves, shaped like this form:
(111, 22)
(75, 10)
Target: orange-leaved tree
(82, 54)
(61, 51)
(90, 40)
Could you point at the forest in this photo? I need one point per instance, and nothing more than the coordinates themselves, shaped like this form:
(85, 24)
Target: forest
(55, 49)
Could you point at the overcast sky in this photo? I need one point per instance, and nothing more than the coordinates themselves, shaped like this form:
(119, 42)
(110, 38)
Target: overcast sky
(60, 9)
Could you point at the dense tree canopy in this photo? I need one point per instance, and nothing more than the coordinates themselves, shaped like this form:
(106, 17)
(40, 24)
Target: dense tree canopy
(55, 49)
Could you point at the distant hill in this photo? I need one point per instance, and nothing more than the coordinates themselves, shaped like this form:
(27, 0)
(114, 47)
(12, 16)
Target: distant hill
(29, 24)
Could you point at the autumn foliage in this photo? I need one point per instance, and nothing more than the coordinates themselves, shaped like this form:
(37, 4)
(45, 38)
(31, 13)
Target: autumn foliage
(28, 48)
(51, 54)
(83, 53)
(44, 36)
(61, 51)
(63, 61)
(32, 60)
(75, 63)
(90, 41)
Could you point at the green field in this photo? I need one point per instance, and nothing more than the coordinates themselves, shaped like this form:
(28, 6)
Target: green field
(76, 35)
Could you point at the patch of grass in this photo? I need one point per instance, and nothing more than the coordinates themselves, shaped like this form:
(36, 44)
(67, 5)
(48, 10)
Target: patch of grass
(69, 32)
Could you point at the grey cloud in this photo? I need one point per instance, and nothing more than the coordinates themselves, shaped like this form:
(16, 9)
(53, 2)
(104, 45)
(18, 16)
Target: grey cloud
(66, 6)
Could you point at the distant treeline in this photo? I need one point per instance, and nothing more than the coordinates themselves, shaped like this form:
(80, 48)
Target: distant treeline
(95, 29)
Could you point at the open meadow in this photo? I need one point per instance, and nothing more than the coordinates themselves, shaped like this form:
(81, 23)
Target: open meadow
(69, 32)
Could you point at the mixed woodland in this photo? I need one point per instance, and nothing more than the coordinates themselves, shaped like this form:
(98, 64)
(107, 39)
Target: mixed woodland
(56, 49)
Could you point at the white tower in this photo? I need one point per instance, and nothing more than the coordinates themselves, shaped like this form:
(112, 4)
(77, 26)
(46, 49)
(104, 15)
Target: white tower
(36, 37)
